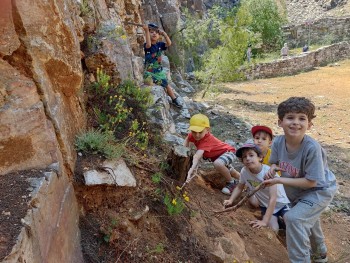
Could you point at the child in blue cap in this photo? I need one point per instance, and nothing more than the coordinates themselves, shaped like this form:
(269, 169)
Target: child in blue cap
(153, 59)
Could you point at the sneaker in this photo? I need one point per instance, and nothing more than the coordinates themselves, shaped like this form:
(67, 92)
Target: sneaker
(227, 190)
(322, 258)
(177, 102)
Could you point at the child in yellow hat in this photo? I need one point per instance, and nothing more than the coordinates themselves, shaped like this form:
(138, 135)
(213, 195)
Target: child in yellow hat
(209, 147)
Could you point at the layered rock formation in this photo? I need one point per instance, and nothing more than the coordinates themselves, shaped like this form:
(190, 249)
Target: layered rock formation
(41, 111)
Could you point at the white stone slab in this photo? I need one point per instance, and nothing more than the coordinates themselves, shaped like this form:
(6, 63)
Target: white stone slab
(118, 174)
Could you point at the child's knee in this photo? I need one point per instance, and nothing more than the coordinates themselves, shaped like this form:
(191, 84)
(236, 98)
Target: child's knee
(273, 224)
(291, 217)
(219, 164)
(234, 173)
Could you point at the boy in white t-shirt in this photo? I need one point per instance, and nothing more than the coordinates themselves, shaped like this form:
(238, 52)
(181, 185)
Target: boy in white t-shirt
(273, 201)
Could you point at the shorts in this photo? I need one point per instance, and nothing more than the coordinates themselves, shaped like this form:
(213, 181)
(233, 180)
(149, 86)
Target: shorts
(227, 158)
(280, 212)
(158, 78)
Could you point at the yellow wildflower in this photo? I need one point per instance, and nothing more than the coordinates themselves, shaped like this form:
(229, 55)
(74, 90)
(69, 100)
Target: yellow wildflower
(178, 188)
(174, 202)
(187, 199)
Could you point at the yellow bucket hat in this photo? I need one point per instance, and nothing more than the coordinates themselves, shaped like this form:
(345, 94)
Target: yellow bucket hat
(199, 122)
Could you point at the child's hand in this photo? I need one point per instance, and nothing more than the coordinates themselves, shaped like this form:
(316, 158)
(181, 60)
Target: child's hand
(161, 32)
(271, 173)
(145, 27)
(257, 224)
(270, 182)
(227, 202)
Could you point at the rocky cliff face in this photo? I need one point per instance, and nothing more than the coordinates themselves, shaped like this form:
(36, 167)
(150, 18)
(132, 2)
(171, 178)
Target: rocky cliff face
(41, 77)
(304, 11)
(41, 111)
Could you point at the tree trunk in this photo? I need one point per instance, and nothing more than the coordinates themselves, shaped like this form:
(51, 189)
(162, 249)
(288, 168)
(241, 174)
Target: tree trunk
(179, 161)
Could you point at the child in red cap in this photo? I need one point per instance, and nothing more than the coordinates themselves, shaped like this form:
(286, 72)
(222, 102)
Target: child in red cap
(263, 136)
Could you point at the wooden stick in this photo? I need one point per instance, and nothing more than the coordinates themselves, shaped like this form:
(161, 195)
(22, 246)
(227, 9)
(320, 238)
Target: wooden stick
(244, 199)
(132, 23)
(193, 176)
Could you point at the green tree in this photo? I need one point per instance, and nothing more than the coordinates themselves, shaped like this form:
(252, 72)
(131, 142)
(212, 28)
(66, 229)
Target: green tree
(267, 20)
(222, 62)
(219, 41)
(201, 34)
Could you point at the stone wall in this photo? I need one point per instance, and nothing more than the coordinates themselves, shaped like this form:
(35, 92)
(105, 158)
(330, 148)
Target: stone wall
(324, 31)
(296, 64)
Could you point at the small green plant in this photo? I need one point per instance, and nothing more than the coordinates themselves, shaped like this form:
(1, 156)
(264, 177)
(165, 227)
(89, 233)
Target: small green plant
(174, 205)
(120, 112)
(112, 31)
(164, 166)
(142, 96)
(107, 233)
(138, 134)
(157, 178)
(97, 142)
(85, 9)
(102, 85)
(159, 248)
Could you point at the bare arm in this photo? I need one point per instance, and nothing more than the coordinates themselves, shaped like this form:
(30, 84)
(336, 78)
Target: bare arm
(147, 36)
(295, 182)
(270, 208)
(235, 194)
(167, 39)
(186, 142)
(198, 155)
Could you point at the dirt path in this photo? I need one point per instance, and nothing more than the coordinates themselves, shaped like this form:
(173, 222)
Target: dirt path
(255, 102)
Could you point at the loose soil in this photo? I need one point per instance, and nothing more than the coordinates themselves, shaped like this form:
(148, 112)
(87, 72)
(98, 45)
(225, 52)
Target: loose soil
(15, 197)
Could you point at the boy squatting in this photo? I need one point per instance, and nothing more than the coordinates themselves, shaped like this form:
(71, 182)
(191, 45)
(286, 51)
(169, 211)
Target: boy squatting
(308, 182)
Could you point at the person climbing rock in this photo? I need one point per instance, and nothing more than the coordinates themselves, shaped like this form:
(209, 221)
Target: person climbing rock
(153, 59)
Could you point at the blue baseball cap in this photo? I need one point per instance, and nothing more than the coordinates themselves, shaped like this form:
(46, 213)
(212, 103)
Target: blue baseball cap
(253, 146)
(153, 26)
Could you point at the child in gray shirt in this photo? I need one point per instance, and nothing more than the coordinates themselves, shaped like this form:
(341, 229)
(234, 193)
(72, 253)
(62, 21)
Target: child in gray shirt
(308, 182)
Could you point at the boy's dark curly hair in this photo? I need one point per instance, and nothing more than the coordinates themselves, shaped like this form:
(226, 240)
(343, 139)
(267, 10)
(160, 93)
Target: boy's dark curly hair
(296, 105)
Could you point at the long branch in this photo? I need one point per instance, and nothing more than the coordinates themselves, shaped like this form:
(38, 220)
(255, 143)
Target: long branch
(244, 199)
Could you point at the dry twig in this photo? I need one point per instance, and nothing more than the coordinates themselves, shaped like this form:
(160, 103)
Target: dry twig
(244, 199)
(126, 248)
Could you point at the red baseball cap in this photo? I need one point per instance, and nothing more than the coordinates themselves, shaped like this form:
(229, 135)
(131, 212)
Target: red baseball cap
(266, 129)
